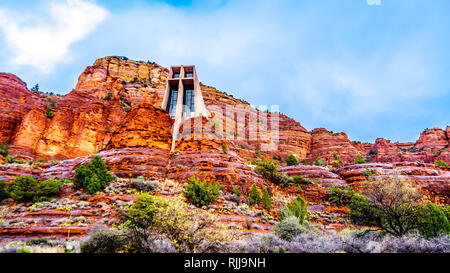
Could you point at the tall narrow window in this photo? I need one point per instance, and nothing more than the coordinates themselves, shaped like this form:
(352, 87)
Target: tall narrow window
(173, 97)
(188, 102)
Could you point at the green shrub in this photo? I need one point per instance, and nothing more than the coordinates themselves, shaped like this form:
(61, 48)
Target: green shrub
(269, 170)
(300, 180)
(362, 210)
(236, 191)
(47, 190)
(433, 221)
(144, 209)
(3, 193)
(143, 185)
(320, 162)
(292, 160)
(26, 188)
(337, 161)
(40, 160)
(9, 159)
(266, 201)
(200, 193)
(396, 205)
(288, 228)
(339, 195)
(254, 197)
(372, 153)
(93, 177)
(360, 160)
(106, 241)
(369, 172)
(50, 107)
(224, 148)
(23, 188)
(108, 96)
(4, 148)
(297, 208)
(277, 158)
(441, 163)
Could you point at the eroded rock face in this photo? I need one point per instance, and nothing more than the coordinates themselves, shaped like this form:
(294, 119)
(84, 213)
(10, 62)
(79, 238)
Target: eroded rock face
(434, 182)
(16, 101)
(325, 143)
(199, 153)
(317, 174)
(131, 81)
(432, 140)
(126, 163)
(144, 126)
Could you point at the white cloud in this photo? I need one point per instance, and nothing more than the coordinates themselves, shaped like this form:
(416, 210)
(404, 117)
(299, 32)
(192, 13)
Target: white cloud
(374, 2)
(42, 41)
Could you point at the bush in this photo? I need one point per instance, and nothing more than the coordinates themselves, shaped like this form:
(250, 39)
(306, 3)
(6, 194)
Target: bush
(105, 241)
(362, 210)
(50, 107)
(186, 231)
(433, 221)
(396, 203)
(337, 161)
(40, 160)
(441, 163)
(109, 96)
(9, 159)
(266, 201)
(292, 160)
(3, 193)
(200, 193)
(369, 172)
(235, 191)
(47, 190)
(23, 188)
(269, 170)
(254, 196)
(300, 180)
(339, 195)
(288, 228)
(93, 177)
(26, 188)
(320, 162)
(143, 185)
(297, 208)
(224, 148)
(360, 160)
(4, 148)
(145, 207)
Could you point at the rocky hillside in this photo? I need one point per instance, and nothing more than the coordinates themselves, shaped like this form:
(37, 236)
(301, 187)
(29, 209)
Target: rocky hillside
(114, 111)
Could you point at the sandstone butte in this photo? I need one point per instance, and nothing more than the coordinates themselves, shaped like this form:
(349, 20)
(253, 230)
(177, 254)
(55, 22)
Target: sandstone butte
(133, 135)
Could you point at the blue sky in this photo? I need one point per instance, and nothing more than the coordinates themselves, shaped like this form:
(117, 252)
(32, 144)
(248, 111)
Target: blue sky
(370, 68)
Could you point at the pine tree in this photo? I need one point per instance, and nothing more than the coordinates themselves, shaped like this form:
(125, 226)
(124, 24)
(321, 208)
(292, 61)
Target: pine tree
(266, 201)
(254, 196)
(292, 161)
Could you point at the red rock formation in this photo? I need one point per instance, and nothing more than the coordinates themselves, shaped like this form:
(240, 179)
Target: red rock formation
(432, 140)
(144, 126)
(325, 143)
(199, 153)
(434, 182)
(319, 175)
